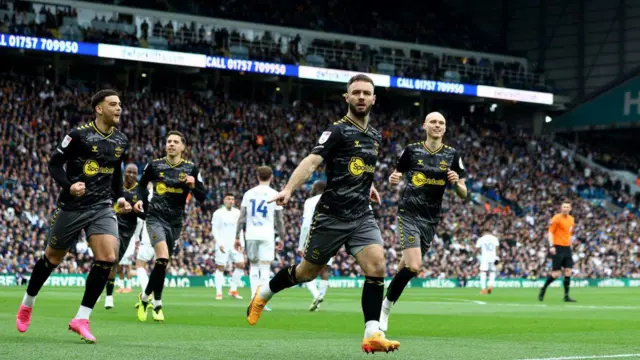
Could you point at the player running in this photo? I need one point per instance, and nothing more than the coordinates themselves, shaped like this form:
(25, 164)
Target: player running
(488, 245)
(259, 218)
(560, 232)
(343, 215)
(173, 178)
(223, 229)
(87, 166)
(145, 252)
(309, 208)
(428, 166)
(127, 228)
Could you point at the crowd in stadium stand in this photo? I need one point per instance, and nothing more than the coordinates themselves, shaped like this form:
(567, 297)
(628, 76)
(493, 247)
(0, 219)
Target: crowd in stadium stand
(266, 47)
(526, 178)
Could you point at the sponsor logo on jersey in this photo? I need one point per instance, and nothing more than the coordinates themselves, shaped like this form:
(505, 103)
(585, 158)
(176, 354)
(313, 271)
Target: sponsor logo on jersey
(444, 165)
(357, 167)
(117, 151)
(182, 176)
(94, 148)
(162, 188)
(419, 180)
(92, 168)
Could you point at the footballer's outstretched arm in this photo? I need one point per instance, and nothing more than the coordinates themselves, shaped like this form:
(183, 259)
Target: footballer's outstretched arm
(242, 221)
(303, 172)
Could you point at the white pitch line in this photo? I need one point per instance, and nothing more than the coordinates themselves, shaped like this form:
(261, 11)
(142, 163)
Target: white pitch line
(479, 302)
(589, 357)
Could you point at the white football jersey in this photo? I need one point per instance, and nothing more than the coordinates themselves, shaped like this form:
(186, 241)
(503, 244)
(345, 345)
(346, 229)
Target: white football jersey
(489, 246)
(307, 215)
(260, 214)
(223, 226)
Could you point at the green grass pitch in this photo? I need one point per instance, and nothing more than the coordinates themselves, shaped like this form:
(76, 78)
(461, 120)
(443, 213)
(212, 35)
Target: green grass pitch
(430, 324)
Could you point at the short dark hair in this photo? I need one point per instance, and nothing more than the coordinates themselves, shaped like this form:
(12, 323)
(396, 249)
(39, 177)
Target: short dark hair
(264, 173)
(99, 97)
(318, 187)
(229, 194)
(360, 77)
(178, 133)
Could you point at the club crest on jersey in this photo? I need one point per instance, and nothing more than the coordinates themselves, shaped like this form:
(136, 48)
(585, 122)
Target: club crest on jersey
(357, 167)
(135, 198)
(356, 143)
(161, 174)
(324, 137)
(94, 148)
(182, 176)
(444, 165)
(117, 151)
(420, 162)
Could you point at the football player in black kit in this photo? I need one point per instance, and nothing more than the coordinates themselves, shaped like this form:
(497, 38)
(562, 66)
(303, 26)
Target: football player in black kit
(127, 225)
(173, 178)
(343, 215)
(93, 156)
(427, 167)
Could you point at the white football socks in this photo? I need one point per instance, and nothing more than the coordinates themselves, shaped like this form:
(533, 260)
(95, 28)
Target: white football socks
(371, 327)
(265, 292)
(219, 277)
(254, 278)
(28, 300)
(323, 286)
(83, 313)
(265, 273)
(483, 280)
(143, 278)
(311, 285)
(236, 279)
(492, 279)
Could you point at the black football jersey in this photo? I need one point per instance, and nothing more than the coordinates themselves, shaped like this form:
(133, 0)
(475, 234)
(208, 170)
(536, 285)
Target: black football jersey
(169, 188)
(350, 153)
(94, 158)
(129, 220)
(425, 174)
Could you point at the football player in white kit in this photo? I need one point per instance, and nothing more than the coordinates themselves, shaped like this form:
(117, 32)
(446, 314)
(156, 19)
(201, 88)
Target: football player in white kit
(124, 268)
(145, 253)
(488, 245)
(259, 219)
(223, 229)
(309, 208)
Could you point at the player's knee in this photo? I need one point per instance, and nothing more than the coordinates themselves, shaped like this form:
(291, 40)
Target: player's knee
(55, 256)
(414, 267)
(375, 267)
(110, 258)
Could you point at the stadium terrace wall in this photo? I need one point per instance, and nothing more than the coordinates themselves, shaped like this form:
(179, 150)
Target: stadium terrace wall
(79, 280)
